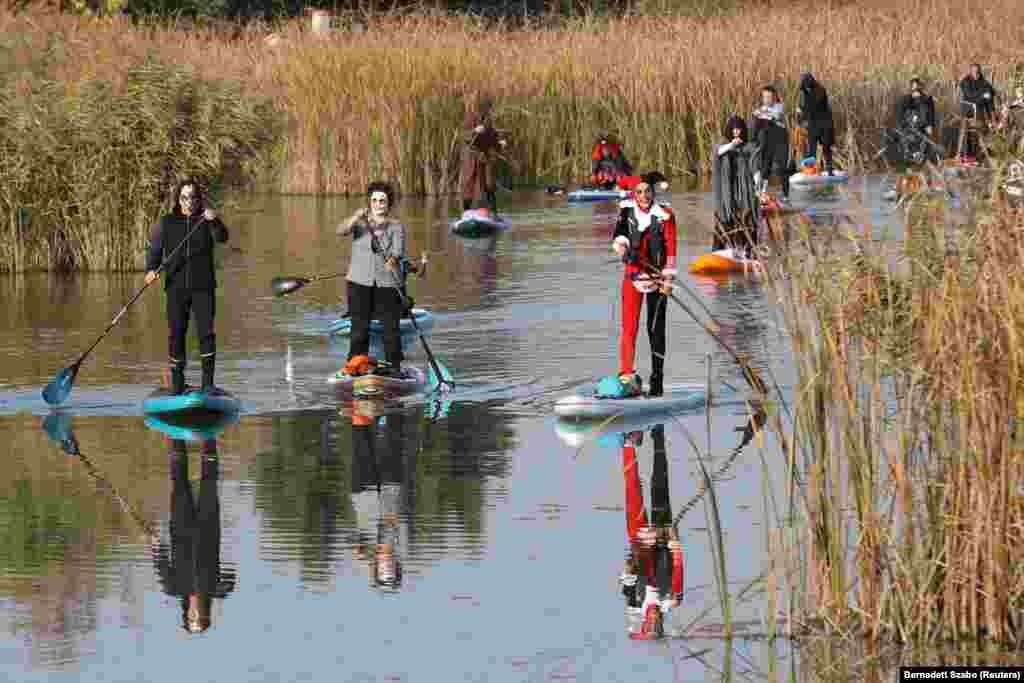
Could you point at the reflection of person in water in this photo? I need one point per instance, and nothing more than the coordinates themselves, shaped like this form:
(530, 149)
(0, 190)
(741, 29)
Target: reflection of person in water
(189, 568)
(652, 581)
(381, 467)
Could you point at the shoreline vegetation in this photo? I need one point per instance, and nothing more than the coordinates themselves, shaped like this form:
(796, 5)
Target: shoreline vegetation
(99, 114)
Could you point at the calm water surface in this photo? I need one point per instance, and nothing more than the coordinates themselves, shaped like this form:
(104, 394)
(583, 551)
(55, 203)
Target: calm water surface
(509, 537)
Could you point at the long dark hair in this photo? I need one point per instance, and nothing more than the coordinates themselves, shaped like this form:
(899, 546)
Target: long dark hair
(381, 186)
(200, 196)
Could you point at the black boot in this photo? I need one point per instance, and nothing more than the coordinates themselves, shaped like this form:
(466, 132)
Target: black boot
(178, 377)
(657, 375)
(209, 364)
(467, 204)
(492, 201)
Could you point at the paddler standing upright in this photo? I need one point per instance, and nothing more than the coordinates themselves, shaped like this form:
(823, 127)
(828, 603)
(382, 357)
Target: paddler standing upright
(189, 278)
(645, 238)
(772, 141)
(737, 208)
(481, 143)
(816, 116)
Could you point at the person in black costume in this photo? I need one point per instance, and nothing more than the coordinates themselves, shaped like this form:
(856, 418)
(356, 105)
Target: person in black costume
(737, 208)
(816, 116)
(189, 567)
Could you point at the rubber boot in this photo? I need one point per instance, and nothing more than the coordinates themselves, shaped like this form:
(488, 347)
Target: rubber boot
(657, 376)
(178, 378)
(209, 364)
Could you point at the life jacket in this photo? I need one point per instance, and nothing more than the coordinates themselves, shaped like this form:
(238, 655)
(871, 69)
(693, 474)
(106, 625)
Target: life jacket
(654, 234)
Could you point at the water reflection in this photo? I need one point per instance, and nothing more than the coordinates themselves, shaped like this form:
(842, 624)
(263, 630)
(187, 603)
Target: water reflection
(188, 565)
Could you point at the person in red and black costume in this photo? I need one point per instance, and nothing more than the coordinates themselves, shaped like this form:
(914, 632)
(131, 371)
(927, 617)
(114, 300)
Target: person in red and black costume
(652, 581)
(645, 238)
(607, 162)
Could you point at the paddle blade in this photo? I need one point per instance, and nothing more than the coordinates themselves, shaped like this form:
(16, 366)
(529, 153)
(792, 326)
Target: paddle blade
(286, 285)
(59, 388)
(444, 383)
(58, 428)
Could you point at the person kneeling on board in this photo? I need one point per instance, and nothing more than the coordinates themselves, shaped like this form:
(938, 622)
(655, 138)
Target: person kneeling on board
(608, 163)
(645, 238)
(190, 282)
(736, 200)
(374, 276)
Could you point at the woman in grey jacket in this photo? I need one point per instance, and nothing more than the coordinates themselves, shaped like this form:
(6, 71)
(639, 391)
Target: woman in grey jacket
(374, 274)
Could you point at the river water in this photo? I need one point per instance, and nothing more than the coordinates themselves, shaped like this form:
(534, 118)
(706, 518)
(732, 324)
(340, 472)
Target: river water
(509, 535)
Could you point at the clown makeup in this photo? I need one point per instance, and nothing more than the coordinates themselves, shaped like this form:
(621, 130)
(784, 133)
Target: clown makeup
(379, 204)
(644, 195)
(187, 199)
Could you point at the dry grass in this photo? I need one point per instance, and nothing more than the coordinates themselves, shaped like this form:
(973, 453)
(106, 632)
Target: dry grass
(905, 428)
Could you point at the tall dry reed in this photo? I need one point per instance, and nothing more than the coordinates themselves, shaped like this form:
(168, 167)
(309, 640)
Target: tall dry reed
(906, 429)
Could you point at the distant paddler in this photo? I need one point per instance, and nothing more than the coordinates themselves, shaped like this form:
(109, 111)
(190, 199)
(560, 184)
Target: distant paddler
(481, 144)
(737, 207)
(607, 162)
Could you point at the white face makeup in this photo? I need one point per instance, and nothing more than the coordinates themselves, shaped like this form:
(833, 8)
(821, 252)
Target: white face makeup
(187, 199)
(379, 204)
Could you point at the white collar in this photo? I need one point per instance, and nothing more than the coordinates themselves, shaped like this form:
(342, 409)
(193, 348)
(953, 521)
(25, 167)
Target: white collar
(643, 218)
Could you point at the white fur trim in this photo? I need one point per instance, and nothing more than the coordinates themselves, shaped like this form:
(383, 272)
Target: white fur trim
(623, 240)
(643, 218)
(669, 271)
(627, 204)
(645, 284)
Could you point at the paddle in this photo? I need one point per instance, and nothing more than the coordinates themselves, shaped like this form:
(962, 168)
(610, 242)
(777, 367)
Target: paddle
(281, 286)
(443, 379)
(59, 388)
(58, 427)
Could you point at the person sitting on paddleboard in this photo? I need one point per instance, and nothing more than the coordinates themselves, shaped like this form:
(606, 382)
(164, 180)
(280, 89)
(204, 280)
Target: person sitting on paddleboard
(652, 581)
(607, 162)
(189, 567)
(815, 114)
(374, 272)
(645, 238)
(189, 279)
(481, 143)
(737, 209)
(772, 140)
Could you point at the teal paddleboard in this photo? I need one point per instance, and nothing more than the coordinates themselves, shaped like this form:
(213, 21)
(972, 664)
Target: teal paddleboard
(163, 402)
(193, 430)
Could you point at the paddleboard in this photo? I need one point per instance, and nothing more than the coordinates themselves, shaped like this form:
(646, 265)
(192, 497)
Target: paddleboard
(202, 429)
(596, 195)
(804, 180)
(725, 261)
(584, 404)
(478, 222)
(424, 318)
(193, 401)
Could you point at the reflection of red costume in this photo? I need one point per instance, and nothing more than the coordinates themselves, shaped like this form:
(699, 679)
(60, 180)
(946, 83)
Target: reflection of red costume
(636, 521)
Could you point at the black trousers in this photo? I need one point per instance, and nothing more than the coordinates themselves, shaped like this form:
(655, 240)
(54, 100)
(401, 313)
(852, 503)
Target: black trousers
(383, 303)
(200, 305)
(824, 136)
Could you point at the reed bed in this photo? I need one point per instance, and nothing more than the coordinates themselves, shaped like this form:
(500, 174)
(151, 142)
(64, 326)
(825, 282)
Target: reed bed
(906, 441)
(98, 114)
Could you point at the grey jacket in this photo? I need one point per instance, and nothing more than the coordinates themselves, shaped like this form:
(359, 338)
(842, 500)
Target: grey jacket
(366, 267)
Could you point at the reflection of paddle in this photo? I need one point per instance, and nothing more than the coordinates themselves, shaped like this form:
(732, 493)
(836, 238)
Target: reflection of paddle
(58, 428)
(60, 386)
(286, 285)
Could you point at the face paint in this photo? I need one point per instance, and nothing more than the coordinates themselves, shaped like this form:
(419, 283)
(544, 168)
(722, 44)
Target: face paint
(187, 199)
(379, 203)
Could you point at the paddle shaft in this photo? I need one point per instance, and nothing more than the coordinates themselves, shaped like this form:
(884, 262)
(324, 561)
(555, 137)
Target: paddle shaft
(135, 298)
(426, 347)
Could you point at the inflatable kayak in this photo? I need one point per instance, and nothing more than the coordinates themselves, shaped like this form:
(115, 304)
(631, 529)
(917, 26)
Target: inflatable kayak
(596, 195)
(192, 402)
(725, 261)
(585, 404)
(478, 222)
(192, 430)
(424, 319)
(806, 180)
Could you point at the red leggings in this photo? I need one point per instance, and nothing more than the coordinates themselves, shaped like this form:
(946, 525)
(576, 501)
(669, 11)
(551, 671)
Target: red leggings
(632, 300)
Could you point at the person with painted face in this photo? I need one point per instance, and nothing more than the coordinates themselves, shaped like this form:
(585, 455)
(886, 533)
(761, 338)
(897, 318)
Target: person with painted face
(737, 206)
(189, 567)
(189, 279)
(917, 109)
(374, 273)
(607, 162)
(772, 141)
(645, 238)
(977, 91)
(816, 116)
(481, 143)
(652, 580)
